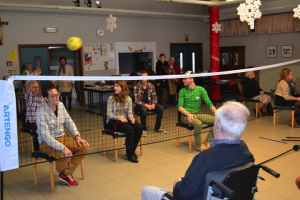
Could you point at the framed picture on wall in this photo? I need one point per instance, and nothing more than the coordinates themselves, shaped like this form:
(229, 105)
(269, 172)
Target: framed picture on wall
(287, 51)
(271, 51)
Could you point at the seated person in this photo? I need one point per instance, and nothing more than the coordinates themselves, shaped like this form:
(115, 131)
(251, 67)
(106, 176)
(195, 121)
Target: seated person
(189, 104)
(28, 71)
(33, 100)
(227, 151)
(120, 119)
(50, 120)
(284, 95)
(297, 87)
(146, 99)
(252, 90)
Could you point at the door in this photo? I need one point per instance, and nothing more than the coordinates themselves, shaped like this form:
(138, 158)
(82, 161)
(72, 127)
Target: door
(187, 56)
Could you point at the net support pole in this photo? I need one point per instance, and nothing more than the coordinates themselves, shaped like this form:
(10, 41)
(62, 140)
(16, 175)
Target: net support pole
(2, 186)
(214, 50)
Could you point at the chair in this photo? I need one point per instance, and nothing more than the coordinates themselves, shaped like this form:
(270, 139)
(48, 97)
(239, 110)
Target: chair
(36, 153)
(187, 126)
(234, 184)
(276, 109)
(243, 92)
(115, 136)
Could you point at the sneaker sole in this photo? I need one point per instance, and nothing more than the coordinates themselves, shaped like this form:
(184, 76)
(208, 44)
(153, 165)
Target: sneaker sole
(67, 182)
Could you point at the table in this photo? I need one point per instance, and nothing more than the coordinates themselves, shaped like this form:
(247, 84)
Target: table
(98, 90)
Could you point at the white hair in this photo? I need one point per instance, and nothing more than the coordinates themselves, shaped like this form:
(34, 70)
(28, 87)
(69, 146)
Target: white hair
(233, 119)
(29, 83)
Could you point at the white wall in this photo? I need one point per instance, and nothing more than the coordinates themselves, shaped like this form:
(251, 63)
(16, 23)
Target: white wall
(28, 29)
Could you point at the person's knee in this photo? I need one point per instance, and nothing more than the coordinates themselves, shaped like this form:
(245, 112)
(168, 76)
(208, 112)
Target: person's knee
(146, 192)
(159, 108)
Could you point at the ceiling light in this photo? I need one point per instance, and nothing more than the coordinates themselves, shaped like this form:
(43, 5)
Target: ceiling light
(88, 3)
(98, 4)
(77, 2)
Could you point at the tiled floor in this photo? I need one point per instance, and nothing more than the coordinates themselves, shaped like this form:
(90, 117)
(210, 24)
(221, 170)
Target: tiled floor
(160, 165)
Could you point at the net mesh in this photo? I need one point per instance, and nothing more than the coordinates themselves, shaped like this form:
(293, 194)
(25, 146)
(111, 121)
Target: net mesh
(95, 105)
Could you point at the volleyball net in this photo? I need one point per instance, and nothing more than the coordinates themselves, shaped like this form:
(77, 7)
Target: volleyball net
(87, 103)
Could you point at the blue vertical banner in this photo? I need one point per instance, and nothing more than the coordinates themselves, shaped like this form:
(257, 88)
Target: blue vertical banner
(9, 158)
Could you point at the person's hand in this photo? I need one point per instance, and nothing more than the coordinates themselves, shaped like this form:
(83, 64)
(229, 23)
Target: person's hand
(261, 92)
(176, 181)
(80, 141)
(147, 106)
(191, 118)
(122, 119)
(132, 121)
(152, 106)
(37, 72)
(298, 98)
(158, 84)
(68, 154)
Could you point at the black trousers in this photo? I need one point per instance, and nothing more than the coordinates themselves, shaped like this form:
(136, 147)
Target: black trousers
(133, 134)
(280, 101)
(143, 114)
(33, 127)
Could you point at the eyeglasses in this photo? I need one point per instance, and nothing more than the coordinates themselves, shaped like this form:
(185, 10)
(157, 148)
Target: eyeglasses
(55, 95)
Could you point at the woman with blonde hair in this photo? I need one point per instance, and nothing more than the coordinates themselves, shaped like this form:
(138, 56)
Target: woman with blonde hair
(284, 94)
(120, 118)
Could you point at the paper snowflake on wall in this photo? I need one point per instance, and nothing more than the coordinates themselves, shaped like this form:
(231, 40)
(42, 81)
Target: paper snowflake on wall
(111, 23)
(216, 27)
(297, 12)
(249, 11)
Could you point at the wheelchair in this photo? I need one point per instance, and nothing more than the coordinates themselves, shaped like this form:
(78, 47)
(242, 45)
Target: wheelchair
(232, 184)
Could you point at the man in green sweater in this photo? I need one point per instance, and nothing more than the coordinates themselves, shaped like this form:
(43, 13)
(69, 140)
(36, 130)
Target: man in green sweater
(189, 104)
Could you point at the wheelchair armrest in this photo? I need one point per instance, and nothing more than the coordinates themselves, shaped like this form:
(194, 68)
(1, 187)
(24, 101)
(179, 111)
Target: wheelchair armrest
(169, 195)
(228, 192)
(270, 171)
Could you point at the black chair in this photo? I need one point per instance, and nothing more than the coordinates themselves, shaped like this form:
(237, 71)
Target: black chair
(115, 136)
(244, 99)
(187, 126)
(233, 184)
(276, 110)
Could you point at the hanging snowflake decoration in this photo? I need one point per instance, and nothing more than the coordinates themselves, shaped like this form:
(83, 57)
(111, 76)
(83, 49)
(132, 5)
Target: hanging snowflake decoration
(111, 23)
(249, 11)
(297, 12)
(216, 27)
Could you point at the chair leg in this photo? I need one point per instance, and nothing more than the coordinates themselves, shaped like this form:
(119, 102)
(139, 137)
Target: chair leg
(22, 141)
(190, 141)
(274, 117)
(292, 113)
(141, 146)
(34, 171)
(51, 176)
(243, 102)
(82, 170)
(103, 144)
(256, 108)
(177, 136)
(277, 117)
(116, 150)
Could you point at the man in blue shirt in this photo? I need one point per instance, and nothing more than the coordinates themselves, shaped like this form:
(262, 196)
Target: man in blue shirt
(227, 151)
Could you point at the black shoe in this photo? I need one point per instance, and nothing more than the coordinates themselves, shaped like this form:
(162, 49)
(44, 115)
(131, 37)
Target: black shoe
(136, 156)
(132, 158)
(263, 113)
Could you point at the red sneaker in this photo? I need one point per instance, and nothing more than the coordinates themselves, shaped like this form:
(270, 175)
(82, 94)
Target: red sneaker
(67, 179)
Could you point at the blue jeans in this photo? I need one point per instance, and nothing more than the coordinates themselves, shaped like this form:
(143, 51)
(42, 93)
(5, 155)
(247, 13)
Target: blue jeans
(143, 114)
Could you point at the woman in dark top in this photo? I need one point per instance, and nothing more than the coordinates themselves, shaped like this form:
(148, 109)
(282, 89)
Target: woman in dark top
(253, 91)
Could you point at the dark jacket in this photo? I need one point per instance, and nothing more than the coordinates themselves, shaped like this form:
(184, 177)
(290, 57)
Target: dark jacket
(160, 71)
(251, 88)
(222, 156)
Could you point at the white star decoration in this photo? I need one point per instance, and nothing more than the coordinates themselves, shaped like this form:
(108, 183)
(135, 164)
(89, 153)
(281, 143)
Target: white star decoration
(297, 12)
(111, 23)
(249, 11)
(216, 27)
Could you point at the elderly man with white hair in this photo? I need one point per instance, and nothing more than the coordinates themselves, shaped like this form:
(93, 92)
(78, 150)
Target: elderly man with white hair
(227, 151)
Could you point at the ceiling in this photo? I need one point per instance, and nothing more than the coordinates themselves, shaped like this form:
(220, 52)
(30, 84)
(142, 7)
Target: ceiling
(162, 9)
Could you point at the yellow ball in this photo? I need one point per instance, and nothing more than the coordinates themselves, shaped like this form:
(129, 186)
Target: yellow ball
(74, 43)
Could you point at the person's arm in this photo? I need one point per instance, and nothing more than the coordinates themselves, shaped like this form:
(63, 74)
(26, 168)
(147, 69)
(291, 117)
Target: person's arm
(71, 73)
(68, 121)
(207, 101)
(153, 94)
(110, 106)
(44, 131)
(137, 96)
(192, 181)
(181, 109)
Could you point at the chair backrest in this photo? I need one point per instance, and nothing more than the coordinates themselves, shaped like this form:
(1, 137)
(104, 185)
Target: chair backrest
(178, 116)
(241, 180)
(23, 117)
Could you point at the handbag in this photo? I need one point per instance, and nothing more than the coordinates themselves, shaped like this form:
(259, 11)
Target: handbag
(74, 93)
